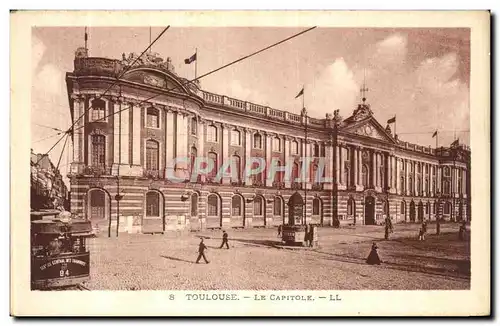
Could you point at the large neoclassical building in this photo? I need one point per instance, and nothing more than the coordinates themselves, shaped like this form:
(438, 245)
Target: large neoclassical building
(126, 138)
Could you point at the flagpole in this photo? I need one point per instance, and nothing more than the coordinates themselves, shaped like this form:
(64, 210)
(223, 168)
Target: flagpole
(437, 136)
(303, 98)
(196, 63)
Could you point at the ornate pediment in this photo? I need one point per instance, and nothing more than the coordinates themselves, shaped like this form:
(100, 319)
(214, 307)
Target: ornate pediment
(369, 130)
(152, 59)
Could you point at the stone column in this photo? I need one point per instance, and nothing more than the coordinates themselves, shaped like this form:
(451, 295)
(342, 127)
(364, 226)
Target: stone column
(78, 141)
(360, 186)
(201, 143)
(225, 150)
(269, 138)
(328, 166)
(342, 151)
(181, 136)
(248, 154)
(307, 180)
(415, 179)
(355, 166)
(407, 176)
(374, 169)
(287, 157)
(125, 135)
(398, 176)
(170, 141)
(431, 187)
(116, 136)
(136, 134)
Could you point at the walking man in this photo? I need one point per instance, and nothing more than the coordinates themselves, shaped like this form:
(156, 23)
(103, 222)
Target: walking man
(224, 240)
(201, 252)
(279, 230)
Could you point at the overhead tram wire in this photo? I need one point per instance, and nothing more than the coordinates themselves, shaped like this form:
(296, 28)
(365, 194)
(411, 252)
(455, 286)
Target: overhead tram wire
(45, 138)
(208, 73)
(70, 129)
(62, 152)
(49, 127)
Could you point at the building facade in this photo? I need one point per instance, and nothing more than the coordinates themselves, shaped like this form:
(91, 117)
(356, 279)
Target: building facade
(48, 189)
(127, 138)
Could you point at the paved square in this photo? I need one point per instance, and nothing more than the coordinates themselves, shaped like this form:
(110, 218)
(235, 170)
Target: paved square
(254, 262)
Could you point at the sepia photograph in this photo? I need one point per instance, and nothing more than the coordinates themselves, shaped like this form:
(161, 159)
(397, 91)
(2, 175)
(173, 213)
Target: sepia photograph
(260, 164)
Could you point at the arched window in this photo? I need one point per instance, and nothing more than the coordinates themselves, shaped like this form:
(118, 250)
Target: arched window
(276, 144)
(98, 150)
(212, 134)
(258, 206)
(434, 208)
(364, 175)
(427, 208)
(278, 175)
(346, 176)
(193, 154)
(382, 177)
(236, 174)
(316, 207)
(426, 186)
(257, 141)
(237, 205)
(446, 171)
(447, 208)
(459, 186)
(446, 187)
(419, 189)
(194, 126)
(235, 137)
(350, 207)
(314, 179)
(403, 208)
(213, 205)
(97, 204)
(153, 204)
(98, 110)
(402, 184)
(295, 172)
(152, 149)
(194, 204)
(278, 206)
(213, 158)
(316, 150)
(153, 118)
(295, 147)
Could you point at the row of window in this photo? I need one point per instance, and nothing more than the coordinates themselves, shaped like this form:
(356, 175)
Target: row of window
(152, 163)
(154, 205)
(351, 207)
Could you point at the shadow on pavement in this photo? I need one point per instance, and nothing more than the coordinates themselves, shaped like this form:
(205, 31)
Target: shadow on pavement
(266, 243)
(177, 259)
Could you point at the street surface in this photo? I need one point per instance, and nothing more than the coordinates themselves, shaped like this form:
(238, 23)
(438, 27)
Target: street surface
(256, 261)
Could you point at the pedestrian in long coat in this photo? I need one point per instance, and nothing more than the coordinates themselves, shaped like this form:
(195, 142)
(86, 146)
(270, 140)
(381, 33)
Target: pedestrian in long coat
(311, 235)
(279, 230)
(224, 240)
(461, 231)
(373, 258)
(201, 252)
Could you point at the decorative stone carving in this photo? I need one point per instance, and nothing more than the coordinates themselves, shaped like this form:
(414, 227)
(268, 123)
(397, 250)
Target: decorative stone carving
(154, 81)
(148, 59)
(362, 112)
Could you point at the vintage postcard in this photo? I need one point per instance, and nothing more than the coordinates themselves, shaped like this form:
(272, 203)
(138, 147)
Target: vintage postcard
(250, 163)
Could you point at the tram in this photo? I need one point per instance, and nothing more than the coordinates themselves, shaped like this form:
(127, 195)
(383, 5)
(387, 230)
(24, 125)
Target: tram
(59, 253)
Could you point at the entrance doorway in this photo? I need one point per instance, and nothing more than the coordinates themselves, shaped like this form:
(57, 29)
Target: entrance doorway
(412, 211)
(420, 211)
(295, 210)
(369, 210)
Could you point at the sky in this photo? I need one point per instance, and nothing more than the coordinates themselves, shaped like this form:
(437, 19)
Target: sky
(421, 76)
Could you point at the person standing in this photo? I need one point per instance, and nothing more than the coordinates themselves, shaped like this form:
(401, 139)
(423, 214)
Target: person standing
(461, 231)
(373, 258)
(311, 235)
(224, 240)
(201, 252)
(438, 225)
(279, 230)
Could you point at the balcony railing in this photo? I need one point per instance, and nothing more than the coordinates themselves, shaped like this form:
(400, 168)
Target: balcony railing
(96, 170)
(153, 174)
(296, 185)
(278, 184)
(317, 186)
